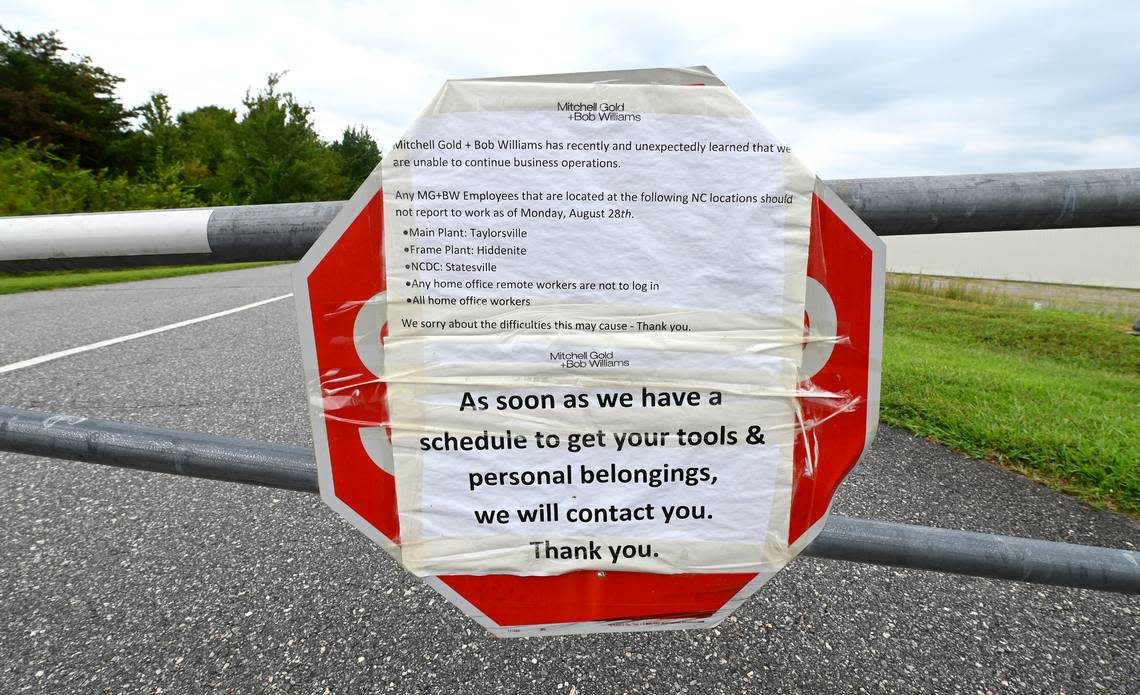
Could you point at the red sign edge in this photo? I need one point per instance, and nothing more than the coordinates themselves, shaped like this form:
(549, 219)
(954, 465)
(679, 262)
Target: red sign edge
(352, 209)
(875, 336)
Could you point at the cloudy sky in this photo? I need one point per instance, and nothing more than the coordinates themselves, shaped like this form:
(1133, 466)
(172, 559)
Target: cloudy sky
(859, 88)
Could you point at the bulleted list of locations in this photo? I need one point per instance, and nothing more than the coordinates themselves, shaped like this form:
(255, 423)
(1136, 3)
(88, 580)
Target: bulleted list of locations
(595, 323)
(634, 214)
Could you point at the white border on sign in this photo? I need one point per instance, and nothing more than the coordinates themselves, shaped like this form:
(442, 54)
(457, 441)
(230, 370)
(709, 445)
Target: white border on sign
(335, 230)
(590, 627)
(332, 234)
(875, 337)
(878, 292)
(874, 373)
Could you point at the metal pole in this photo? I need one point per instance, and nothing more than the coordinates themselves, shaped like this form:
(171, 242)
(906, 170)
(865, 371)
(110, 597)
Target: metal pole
(889, 206)
(995, 202)
(843, 538)
(160, 451)
(978, 554)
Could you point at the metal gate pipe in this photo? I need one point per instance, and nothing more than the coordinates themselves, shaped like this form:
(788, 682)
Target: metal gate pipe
(978, 554)
(889, 206)
(995, 202)
(158, 450)
(843, 538)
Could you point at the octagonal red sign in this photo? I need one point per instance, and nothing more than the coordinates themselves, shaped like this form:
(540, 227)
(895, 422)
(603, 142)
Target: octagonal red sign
(342, 297)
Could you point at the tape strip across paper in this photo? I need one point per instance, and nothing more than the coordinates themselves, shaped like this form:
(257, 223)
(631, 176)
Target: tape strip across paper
(730, 276)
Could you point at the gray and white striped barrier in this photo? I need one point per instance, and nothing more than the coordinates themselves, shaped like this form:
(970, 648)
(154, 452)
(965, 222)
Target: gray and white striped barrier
(889, 206)
(163, 237)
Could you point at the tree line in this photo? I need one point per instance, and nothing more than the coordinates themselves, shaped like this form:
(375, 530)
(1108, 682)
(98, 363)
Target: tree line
(67, 144)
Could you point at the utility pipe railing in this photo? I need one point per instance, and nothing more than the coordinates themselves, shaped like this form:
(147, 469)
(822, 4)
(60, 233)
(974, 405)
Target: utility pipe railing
(889, 206)
(843, 538)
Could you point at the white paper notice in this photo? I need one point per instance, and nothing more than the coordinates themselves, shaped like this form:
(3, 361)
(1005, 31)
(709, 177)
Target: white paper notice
(595, 327)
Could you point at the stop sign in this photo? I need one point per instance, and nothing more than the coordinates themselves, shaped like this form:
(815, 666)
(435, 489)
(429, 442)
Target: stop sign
(341, 292)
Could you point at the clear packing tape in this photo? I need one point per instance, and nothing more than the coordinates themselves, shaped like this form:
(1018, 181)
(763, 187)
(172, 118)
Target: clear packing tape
(436, 391)
(689, 432)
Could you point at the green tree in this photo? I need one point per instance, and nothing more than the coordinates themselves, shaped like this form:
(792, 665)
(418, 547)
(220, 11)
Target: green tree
(159, 133)
(68, 106)
(207, 137)
(36, 182)
(208, 134)
(277, 155)
(66, 139)
(357, 155)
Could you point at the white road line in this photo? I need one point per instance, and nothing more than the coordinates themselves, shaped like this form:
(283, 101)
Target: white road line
(141, 334)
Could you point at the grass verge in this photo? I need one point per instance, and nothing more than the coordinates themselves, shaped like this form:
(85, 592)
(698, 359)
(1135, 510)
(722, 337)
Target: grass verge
(1052, 394)
(1110, 302)
(34, 281)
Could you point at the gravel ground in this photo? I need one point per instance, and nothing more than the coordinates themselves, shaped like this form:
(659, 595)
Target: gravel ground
(120, 581)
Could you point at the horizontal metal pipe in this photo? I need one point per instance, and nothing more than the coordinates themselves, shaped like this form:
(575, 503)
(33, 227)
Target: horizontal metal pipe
(978, 554)
(158, 450)
(843, 538)
(995, 202)
(889, 206)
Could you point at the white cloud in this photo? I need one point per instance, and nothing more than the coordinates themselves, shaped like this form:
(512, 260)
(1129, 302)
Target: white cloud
(859, 89)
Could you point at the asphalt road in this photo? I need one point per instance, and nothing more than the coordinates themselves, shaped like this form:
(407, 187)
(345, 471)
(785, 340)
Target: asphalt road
(121, 581)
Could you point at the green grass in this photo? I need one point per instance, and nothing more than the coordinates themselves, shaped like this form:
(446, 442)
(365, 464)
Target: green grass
(1052, 394)
(1110, 302)
(950, 288)
(34, 281)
